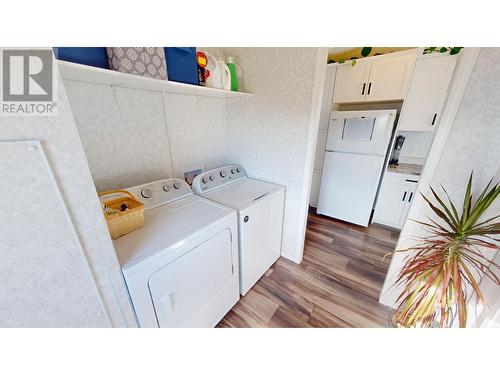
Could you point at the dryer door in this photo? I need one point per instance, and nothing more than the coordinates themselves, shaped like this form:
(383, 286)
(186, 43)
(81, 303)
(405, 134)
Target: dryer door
(181, 289)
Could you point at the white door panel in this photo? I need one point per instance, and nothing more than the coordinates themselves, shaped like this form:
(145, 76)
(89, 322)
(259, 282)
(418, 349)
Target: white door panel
(260, 238)
(326, 103)
(315, 185)
(395, 198)
(320, 149)
(391, 204)
(412, 189)
(183, 287)
(390, 78)
(427, 93)
(351, 82)
(348, 186)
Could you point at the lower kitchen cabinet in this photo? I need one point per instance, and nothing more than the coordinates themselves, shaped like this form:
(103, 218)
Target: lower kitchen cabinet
(394, 199)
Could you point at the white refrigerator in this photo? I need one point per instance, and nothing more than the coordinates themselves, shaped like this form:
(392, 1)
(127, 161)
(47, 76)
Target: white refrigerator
(356, 149)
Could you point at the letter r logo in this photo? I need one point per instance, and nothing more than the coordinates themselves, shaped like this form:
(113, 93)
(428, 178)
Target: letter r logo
(27, 75)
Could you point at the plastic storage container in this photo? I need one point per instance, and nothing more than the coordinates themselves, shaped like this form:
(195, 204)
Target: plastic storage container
(144, 61)
(234, 75)
(93, 56)
(181, 64)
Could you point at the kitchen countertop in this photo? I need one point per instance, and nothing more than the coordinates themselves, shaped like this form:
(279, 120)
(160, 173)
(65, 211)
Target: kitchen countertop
(414, 169)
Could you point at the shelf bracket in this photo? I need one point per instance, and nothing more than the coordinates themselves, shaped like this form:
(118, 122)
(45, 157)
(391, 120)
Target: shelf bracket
(115, 95)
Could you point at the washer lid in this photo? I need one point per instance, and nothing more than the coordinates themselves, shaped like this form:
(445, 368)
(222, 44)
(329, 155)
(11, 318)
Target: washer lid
(242, 193)
(167, 227)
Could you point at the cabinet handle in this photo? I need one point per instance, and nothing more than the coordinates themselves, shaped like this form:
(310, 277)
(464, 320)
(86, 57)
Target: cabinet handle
(404, 196)
(434, 119)
(369, 88)
(408, 180)
(363, 91)
(411, 196)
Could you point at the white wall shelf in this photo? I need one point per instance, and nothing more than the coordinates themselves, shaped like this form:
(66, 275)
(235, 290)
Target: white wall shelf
(84, 73)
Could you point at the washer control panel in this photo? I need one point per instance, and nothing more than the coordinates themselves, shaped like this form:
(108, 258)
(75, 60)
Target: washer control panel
(218, 177)
(157, 193)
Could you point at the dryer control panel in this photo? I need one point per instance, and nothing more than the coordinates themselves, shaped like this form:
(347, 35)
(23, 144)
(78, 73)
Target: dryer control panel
(215, 178)
(157, 193)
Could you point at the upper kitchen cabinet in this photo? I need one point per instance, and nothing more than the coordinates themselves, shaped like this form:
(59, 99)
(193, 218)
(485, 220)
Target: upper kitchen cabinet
(378, 78)
(350, 82)
(326, 102)
(427, 94)
(390, 77)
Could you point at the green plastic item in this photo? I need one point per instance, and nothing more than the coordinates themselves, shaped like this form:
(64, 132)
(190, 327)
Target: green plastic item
(232, 69)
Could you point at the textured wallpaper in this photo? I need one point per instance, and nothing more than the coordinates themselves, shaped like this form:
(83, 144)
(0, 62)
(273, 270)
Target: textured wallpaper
(268, 132)
(123, 133)
(197, 132)
(55, 267)
(133, 136)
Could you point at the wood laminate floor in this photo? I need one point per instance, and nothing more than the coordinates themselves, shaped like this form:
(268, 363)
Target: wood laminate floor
(336, 285)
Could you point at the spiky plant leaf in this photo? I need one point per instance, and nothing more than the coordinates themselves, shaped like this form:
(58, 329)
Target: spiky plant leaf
(437, 276)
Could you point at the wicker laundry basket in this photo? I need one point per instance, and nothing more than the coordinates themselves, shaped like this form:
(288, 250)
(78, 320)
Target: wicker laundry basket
(124, 214)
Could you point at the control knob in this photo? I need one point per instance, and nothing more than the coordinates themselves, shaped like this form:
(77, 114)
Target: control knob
(146, 193)
(222, 173)
(177, 185)
(204, 180)
(211, 178)
(166, 188)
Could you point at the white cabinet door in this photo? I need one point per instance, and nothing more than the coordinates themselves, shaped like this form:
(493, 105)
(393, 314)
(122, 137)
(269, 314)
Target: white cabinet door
(351, 82)
(391, 204)
(394, 199)
(412, 189)
(315, 184)
(427, 94)
(320, 148)
(390, 77)
(326, 104)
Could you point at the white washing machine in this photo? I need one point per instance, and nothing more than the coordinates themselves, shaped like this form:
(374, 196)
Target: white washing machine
(181, 268)
(260, 207)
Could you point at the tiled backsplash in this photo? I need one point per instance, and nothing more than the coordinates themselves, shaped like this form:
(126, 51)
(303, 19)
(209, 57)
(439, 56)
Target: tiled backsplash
(416, 146)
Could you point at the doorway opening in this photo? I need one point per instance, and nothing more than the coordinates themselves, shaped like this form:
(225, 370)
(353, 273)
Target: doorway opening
(375, 218)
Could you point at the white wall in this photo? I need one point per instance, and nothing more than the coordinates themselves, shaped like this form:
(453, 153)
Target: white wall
(473, 144)
(197, 130)
(271, 133)
(58, 267)
(133, 136)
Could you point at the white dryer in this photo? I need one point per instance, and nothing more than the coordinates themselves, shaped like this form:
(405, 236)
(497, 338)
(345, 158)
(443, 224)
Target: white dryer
(260, 207)
(181, 268)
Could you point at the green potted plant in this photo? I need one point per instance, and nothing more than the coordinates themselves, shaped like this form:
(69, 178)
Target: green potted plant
(441, 272)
